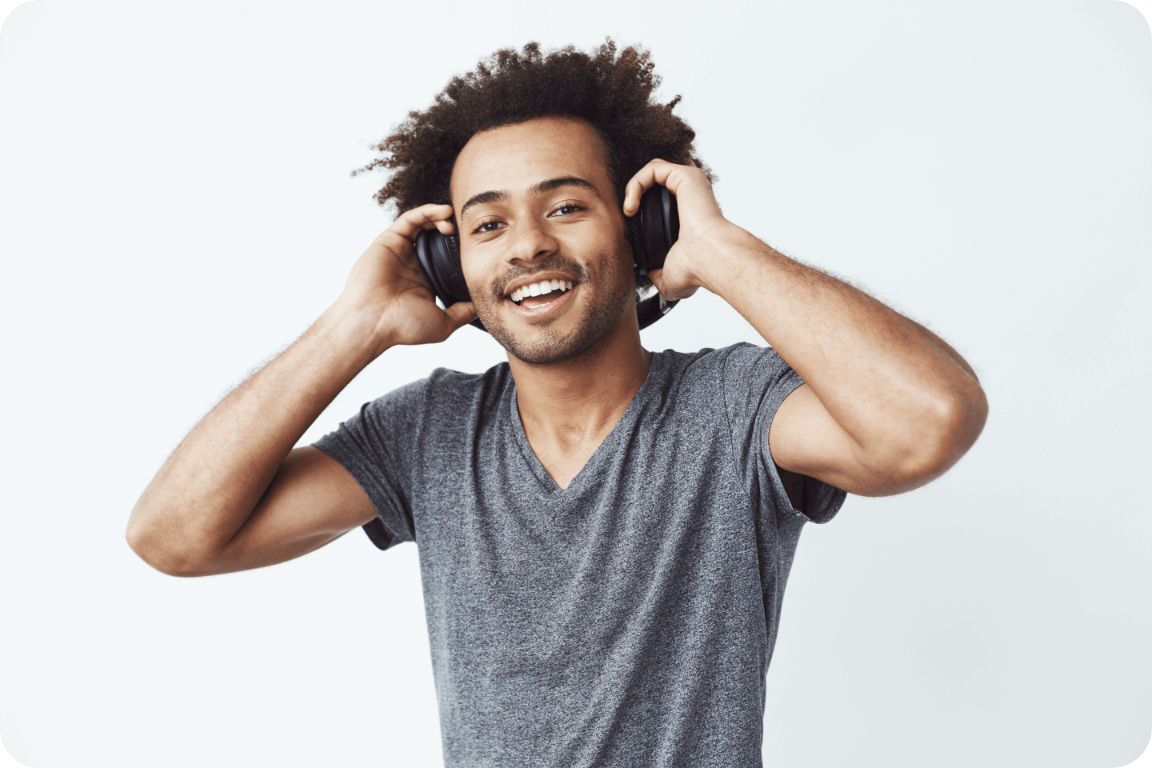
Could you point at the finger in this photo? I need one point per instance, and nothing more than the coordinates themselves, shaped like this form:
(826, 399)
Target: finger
(655, 172)
(640, 183)
(412, 222)
(399, 237)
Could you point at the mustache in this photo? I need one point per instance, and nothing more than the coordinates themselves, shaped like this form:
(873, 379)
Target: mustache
(554, 263)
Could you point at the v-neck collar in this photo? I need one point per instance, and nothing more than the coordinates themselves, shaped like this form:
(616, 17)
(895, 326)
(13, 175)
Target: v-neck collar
(547, 486)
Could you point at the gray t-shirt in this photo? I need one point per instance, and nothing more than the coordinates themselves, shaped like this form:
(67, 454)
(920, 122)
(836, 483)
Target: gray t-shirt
(627, 620)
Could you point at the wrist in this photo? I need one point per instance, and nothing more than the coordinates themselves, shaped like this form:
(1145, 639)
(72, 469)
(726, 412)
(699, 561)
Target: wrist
(716, 265)
(351, 335)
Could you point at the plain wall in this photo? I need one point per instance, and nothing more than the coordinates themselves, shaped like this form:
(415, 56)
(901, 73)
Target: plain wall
(177, 207)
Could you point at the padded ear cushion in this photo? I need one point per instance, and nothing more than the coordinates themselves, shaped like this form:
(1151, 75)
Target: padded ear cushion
(659, 228)
(439, 257)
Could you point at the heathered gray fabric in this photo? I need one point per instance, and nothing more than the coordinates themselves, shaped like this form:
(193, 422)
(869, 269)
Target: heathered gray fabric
(627, 620)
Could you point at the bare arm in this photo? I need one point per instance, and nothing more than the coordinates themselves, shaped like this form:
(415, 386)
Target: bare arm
(886, 406)
(234, 495)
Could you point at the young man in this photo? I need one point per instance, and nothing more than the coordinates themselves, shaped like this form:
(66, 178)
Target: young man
(605, 533)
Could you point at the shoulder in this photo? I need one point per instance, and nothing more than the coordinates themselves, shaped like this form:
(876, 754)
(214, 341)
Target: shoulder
(455, 397)
(748, 356)
(714, 356)
(743, 381)
(442, 390)
(718, 365)
(710, 379)
(445, 383)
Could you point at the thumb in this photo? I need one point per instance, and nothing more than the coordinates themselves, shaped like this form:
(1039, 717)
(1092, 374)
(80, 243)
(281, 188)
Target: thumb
(657, 278)
(458, 314)
(670, 293)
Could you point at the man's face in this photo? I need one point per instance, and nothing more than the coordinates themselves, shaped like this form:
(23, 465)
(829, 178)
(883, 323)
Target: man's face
(534, 202)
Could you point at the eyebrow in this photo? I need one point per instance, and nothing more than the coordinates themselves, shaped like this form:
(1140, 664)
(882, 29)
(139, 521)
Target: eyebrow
(493, 196)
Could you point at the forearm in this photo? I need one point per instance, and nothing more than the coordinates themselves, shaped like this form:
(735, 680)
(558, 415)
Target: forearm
(209, 486)
(887, 381)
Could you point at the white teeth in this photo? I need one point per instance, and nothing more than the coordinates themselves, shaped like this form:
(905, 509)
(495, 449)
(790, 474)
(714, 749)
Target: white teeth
(540, 288)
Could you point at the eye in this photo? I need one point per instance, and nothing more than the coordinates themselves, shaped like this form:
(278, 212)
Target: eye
(486, 226)
(566, 209)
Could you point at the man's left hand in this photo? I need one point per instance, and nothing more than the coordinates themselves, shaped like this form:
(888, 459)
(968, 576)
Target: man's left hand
(701, 224)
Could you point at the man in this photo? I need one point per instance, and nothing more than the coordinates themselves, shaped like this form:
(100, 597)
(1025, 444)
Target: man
(605, 533)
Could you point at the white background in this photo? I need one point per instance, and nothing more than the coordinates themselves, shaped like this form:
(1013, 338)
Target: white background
(177, 207)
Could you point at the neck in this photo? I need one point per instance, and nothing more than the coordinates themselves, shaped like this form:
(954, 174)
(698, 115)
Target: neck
(575, 403)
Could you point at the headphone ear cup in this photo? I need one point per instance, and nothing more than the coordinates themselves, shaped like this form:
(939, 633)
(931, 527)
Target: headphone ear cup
(439, 257)
(653, 308)
(659, 228)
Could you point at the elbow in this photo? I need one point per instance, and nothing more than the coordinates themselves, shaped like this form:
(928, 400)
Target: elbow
(150, 545)
(959, 421)
(933, 444)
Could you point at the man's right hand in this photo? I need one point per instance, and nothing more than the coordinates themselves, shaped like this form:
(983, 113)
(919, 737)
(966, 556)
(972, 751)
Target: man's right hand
(388, 291)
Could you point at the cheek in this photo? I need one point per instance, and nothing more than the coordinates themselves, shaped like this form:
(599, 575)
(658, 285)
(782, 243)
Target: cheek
(478, 283)
(622, 265)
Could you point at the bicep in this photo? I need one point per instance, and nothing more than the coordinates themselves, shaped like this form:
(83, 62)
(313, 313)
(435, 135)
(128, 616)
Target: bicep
(804, 439)
(311, 502)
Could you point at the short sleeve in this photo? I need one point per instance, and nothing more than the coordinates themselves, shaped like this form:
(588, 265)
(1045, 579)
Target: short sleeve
(378, 448)
(755, 382)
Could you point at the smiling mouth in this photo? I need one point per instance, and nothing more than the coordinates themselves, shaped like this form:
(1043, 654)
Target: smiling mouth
(541, 293)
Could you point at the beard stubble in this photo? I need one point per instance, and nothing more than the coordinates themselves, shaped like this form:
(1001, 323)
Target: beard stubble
(613, 286)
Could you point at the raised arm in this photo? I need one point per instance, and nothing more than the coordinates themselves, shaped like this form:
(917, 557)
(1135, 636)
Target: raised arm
(234, 494)
(886, 406)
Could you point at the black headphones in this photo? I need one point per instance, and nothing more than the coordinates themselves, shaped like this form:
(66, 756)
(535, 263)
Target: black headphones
(652, 238)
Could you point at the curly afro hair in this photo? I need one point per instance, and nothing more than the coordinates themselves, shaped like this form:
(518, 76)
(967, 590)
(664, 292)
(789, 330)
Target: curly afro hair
(610, 89)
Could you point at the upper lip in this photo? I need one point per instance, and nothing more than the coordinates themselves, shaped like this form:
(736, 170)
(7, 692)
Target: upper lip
(539, 277)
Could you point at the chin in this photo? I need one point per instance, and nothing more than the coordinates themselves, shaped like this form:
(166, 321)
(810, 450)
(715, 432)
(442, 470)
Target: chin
(607, 291)
(546, 346)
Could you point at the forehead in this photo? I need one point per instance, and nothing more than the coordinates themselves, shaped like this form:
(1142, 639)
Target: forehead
(512, 158)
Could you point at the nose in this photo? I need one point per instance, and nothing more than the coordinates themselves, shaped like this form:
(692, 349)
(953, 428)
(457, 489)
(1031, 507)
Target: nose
(530, 240)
